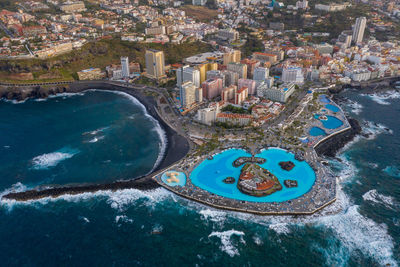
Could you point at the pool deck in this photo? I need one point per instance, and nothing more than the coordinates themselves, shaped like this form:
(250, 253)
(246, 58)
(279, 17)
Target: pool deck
(320, 195)
(315, 140)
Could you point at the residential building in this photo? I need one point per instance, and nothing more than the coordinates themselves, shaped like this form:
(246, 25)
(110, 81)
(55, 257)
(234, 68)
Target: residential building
(187, 73)
(251, 65)
(238, 68)
(250, 84)
(228, 93)
(188, 94)
(212, 88)
(241, 95)
(260, 74)
(125, 67)
(232, 56)
(203, 68)
(72, 7)
(265, 57)
(280, 94)
(155, 66)
(228, 35)
(358, 30)
(292, 75)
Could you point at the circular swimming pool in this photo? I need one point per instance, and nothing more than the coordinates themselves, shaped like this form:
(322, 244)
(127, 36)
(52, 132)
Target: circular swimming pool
(209, 175)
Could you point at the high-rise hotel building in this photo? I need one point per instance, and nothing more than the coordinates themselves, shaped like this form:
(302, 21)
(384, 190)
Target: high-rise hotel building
(155, 66)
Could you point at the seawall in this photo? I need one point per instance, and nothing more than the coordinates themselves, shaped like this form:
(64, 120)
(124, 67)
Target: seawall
(334, 143)
(176, 148)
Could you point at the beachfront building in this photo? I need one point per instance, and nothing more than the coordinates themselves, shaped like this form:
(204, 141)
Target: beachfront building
(212, 88)
(187, 73)
(125, 67)
(240, 69)
(232, 56)
(279, 94)
(190, 94)
(155, 64)
(292, 75)
(250, 84)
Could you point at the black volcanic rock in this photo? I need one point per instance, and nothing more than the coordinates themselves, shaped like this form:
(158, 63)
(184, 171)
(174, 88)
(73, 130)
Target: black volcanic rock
(286, 165)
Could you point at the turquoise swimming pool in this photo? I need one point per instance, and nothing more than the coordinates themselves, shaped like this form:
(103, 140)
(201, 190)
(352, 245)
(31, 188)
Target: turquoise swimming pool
(316, 131)
(174, 178)
(331, 122)
(324, 99)
(333, 108)
(209, 175)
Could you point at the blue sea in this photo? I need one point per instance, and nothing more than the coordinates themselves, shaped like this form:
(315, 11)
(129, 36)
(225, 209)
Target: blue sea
(102, 136)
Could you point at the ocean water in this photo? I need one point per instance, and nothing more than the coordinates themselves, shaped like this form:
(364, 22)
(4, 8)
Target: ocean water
(133, 228)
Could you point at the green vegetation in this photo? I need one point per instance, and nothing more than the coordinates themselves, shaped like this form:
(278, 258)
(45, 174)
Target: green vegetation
(200, 13)
(252, 45)
(233, 109)
(98, 54)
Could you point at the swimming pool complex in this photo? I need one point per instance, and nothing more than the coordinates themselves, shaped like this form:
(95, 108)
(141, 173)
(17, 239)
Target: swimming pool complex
(209, 175)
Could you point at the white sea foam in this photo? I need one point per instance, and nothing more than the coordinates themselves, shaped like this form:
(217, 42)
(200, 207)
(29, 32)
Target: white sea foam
(158, 129)
(382, 98)
(213, 215)
(280, 228)
(96, 139)
(354, 107)
(374, 129)
(357, 232)
(157, 229)
(100, 130)
(374, 196)
(13, 101)
(226, 241)
(123, 218)
(65, 95)
(48, 160)
(257, 240)
(86, 220)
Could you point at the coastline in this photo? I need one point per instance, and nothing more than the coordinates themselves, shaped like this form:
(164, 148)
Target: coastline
(176, 148)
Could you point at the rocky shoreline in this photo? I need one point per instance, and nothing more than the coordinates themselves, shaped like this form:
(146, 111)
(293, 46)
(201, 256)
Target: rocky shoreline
(334, 143)
(176, 148)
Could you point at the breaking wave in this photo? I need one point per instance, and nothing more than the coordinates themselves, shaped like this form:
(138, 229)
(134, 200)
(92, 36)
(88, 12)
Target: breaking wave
(382, 98)
(48, 160)
(227, 244)
(374, 196)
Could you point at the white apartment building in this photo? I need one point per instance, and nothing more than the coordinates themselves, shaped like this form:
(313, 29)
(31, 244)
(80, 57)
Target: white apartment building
(359, 29)
(280, 94)
(125, 67)
(292, 75)
(187, 73)
(260, 74)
